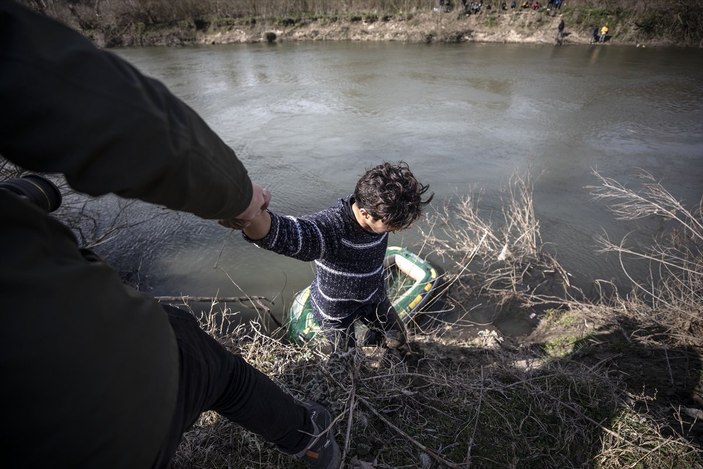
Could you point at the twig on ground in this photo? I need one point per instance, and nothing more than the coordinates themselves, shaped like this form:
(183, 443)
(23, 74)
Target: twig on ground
(429, 451)
(354, 375)
(478, 415)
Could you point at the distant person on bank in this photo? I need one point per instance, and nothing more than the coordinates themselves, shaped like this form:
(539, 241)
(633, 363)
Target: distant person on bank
(96, 374)
(604, 33)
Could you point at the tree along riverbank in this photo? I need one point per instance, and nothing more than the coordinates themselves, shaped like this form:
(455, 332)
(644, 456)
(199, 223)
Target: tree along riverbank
(154, 24)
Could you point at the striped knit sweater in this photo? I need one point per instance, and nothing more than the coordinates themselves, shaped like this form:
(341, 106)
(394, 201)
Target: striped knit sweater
(348, 259)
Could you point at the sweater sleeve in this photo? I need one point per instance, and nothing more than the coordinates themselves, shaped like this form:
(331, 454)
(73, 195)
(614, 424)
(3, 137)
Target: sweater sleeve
(69, 107)
(305, 239)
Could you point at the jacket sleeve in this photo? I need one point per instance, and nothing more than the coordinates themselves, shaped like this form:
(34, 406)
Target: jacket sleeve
(69, 107)
(305, 239)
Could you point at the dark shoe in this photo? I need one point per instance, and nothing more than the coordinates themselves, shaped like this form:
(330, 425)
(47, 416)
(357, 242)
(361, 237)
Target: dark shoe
(323, 451)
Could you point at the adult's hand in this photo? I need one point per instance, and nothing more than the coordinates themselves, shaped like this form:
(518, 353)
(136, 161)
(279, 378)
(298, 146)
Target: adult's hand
(260, 200)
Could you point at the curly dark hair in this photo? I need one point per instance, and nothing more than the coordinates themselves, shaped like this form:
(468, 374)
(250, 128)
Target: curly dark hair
(391, 193)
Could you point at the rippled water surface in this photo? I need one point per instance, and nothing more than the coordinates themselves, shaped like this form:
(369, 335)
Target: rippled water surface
(308, 118)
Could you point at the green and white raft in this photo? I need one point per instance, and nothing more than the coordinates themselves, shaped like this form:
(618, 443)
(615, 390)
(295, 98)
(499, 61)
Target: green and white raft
(411, 282)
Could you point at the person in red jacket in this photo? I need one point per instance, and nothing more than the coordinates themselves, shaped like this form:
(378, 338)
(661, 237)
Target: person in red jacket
(95, 373)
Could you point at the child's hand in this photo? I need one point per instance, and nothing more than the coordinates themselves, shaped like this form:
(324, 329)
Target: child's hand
(259, 227)
(260, 200)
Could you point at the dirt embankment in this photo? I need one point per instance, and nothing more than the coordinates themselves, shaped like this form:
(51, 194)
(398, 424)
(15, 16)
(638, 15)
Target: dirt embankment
(520, 26)
(512, 26)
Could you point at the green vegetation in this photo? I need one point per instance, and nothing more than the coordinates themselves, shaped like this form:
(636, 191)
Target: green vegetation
(491, 21)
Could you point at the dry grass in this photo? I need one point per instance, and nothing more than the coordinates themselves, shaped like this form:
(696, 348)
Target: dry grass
(671, 297)
(499, 260)
(602, 385)
(455, 404)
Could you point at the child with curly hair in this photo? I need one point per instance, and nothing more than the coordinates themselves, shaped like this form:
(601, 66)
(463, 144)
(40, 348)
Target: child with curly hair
(348, 244)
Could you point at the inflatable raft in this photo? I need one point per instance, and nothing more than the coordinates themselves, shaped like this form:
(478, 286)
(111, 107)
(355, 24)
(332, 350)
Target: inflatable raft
(411, 282)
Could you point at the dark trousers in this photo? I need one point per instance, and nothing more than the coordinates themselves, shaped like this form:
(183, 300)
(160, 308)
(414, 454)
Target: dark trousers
(211, 378)
(381, 319)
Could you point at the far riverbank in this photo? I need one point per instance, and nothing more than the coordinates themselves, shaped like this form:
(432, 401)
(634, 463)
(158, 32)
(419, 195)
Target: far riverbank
(519, 26)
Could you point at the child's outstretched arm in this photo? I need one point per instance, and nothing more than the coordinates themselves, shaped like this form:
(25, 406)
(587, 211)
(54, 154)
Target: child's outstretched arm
(305, 238)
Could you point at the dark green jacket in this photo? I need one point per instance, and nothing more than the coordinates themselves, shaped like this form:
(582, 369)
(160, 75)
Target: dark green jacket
(89, 367)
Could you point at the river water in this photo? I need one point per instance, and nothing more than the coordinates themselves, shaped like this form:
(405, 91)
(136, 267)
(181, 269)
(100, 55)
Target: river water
(308, 118)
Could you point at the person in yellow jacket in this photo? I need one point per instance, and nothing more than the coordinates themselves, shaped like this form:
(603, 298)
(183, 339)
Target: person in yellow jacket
(604, 32)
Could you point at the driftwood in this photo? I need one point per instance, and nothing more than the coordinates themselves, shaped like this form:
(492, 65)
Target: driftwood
(260, 303)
